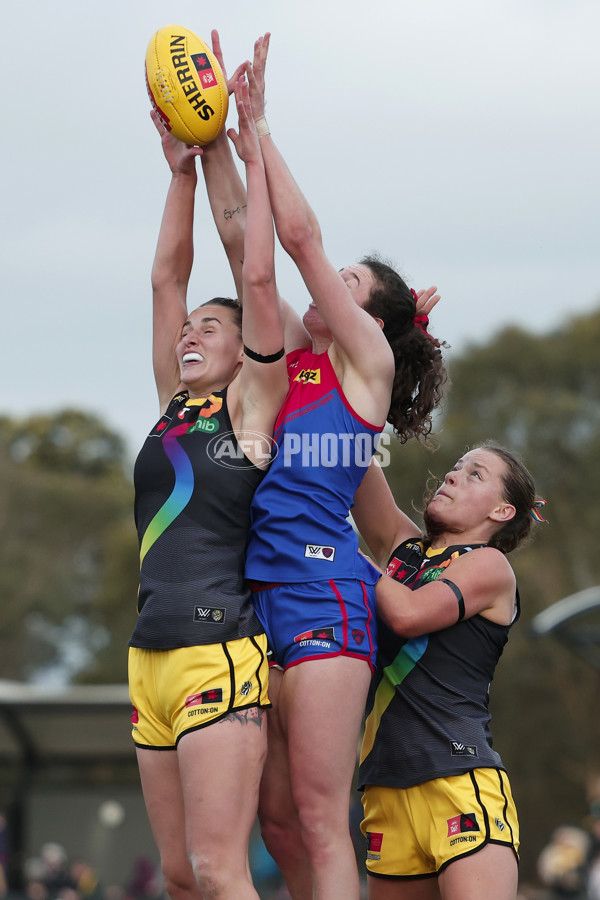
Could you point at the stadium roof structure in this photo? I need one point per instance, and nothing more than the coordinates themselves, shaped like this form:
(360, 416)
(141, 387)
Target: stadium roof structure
(74, 725)
(575, 621)
(58, 732)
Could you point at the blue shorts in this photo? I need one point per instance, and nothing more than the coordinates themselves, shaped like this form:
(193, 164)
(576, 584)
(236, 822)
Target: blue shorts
(317, 620)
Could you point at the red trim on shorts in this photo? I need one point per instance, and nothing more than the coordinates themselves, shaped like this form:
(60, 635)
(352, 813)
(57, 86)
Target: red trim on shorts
(319, 656)
(369, 619)
(257, 586)
(368, 622)
(333, 587)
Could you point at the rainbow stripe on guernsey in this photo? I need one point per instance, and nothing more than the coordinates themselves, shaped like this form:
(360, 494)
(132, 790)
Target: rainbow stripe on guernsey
(393, 675)
(179, 496)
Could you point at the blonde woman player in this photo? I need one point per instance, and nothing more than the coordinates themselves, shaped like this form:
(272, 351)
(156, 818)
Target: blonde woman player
(439, 817)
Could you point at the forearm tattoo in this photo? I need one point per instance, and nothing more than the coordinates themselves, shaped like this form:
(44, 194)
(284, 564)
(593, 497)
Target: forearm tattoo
(230, 213)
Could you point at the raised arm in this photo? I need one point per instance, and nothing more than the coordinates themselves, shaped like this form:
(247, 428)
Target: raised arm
(263, 382)
(228, 201)
(481, 581)
(357, 335)
(382, 525)
(172, 262)
(225, 189)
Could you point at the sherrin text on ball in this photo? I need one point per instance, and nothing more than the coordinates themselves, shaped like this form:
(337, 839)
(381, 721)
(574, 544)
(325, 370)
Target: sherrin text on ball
(186, 85)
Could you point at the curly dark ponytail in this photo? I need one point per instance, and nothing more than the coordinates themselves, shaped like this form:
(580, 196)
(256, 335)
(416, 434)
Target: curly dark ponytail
(420, 370)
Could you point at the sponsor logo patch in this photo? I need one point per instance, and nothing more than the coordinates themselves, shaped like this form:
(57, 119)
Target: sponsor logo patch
(215, 695)
(399, 570)
(207, 425)
(309, 376)
(317, 634)
(374, 842)
(463, 822)
(203, 711)
(204, 69)
(458, 749)
(317, 551)
(208, 614)
(160, 427)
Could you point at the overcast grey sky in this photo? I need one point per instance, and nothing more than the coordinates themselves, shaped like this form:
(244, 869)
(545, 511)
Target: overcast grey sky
(460, 139)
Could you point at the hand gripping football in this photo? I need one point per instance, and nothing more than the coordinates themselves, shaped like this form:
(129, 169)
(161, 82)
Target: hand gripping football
(186, 85)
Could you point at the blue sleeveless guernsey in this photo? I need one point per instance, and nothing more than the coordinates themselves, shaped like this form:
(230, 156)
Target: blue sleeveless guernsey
(299, 526)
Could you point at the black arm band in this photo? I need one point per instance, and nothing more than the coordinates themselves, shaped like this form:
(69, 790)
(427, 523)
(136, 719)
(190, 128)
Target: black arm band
(264, 359)
(459, 597)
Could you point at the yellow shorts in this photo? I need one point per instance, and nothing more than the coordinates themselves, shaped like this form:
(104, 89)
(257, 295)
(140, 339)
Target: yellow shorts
(416, 831)
(176, 691)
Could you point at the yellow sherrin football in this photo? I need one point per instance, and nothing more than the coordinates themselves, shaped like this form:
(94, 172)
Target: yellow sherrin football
(186, 85)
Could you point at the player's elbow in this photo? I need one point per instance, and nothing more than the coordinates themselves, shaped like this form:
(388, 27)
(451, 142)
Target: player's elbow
(401, 621)
(164, 277)
(258, 276)
(409, 628)
(298, 237)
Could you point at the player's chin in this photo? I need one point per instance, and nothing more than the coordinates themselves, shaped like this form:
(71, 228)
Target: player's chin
(432, 515)
(314, 324)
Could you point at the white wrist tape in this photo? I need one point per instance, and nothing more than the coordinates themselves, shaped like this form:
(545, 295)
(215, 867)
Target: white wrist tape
(262, 126)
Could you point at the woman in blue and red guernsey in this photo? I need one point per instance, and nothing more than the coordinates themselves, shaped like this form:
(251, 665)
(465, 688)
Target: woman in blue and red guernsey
(439, 817)
(359, 357)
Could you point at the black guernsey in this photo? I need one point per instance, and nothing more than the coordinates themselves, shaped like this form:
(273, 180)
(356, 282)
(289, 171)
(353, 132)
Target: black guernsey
(193, 488)
(427, 710)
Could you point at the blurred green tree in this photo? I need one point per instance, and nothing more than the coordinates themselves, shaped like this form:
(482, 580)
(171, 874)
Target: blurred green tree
(68, 557)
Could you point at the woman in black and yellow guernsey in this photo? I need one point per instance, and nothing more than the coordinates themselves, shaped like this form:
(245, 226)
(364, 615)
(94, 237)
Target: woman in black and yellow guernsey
(198, 673)
(439, 817)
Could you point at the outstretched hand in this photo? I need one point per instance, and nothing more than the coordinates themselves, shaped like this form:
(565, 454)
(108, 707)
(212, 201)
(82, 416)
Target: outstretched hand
(180, 157)
(256, 75)
(426, 300)
(216, 45)
(245, 139)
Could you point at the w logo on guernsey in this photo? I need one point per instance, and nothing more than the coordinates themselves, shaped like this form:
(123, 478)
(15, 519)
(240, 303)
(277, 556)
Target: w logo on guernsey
(318, 551)
(458, 749)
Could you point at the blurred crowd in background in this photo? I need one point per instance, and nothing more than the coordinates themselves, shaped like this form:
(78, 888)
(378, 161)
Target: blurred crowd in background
(568, 869)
